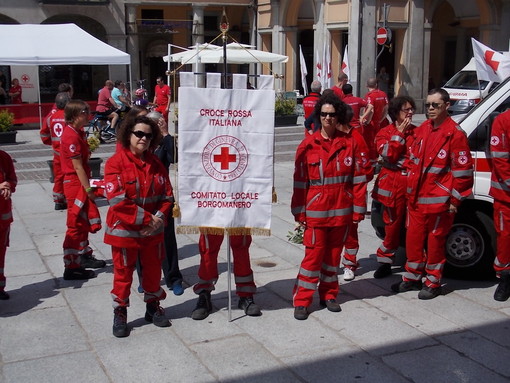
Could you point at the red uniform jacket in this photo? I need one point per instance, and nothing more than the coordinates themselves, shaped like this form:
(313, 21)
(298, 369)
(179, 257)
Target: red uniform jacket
(379, 100)
(500, 158)
(136, 190)
(393, 146)
(440, 167)
(53, 128)
(84, 213)
(309, 103)
(329, 181)
(356, 103)
(74, 145)
(8, 174)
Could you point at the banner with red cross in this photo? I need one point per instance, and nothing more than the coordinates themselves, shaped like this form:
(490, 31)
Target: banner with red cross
(225, 148)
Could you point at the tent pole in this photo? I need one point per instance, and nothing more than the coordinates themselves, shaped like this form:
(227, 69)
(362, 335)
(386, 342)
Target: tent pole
(39, 98)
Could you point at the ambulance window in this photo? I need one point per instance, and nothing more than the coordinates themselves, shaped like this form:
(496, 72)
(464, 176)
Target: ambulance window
(478, 138)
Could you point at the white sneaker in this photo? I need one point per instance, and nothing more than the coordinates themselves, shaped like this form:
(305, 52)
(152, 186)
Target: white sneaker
(348, 274)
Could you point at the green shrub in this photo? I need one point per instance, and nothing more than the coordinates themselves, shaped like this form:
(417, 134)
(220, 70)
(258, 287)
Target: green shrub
(283, 107)
(6, 120)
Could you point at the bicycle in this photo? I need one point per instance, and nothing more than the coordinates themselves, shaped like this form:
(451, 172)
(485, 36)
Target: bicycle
(99, 126)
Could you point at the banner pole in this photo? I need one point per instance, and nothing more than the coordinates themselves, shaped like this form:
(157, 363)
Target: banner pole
(229, 280)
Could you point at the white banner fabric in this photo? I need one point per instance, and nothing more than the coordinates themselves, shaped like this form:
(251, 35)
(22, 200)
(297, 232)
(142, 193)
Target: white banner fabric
(225, 149)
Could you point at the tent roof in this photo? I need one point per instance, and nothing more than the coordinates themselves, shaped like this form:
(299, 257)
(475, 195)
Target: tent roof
(55, 44)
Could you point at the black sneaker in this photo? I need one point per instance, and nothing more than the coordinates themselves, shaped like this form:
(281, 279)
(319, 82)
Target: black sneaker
(383, 271)
(4, 296)
(204, 306)
(156, 315)
(502, 292)
(60, 206)
(249, 306)
(120, 327)
(331, 305)
(429, 292)
(301, 313)
(88, 260)
(78, 274)
(403, 286)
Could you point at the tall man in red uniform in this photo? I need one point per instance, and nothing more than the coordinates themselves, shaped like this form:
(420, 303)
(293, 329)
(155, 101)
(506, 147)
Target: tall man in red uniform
(342, 80)
(500, 190)
(51, 131)
(162, 97)
(379, 100)
(440, 178)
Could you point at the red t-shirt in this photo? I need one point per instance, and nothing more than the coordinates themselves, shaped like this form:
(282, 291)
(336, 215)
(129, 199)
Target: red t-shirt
(73, 145)
(103, 100)
(16, 99)
(338, 91)
(309, 103)
(162, 94)
(356, 103)
(379, 100)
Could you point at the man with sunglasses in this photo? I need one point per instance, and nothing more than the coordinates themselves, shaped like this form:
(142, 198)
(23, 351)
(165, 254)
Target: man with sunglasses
(440, 177)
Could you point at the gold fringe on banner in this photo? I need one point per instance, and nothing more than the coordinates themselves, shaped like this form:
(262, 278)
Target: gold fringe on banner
(176, 210)
(274, 195)
(221, 231)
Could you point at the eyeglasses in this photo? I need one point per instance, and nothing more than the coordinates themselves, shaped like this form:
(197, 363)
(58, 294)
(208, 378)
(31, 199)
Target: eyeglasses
(142, 134)
(435, 105)
(326, 114)
(408, 110)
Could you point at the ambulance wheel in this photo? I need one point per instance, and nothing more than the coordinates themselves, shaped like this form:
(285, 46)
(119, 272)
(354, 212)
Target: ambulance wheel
(471, 246)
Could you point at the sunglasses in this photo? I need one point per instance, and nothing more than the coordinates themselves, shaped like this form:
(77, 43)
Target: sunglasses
(326, 114)
(435, 105)
(408, 110)
(142, 134)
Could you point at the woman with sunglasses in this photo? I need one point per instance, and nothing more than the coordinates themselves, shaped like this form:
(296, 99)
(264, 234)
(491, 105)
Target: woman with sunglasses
(392, 144)
(140, 196)
(329, 195)
(80, 196)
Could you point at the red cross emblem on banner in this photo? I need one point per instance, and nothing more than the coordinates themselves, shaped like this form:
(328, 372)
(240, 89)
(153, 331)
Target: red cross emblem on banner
(225, 158)
(25, 78)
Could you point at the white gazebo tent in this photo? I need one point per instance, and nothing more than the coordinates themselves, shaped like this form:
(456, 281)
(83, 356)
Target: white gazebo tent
(55, 44)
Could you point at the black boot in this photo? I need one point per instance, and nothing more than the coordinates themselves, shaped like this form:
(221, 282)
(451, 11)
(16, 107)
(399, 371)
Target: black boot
(502, 292)
(91, 262)
(204, 306)
(120, 327)
(156, 314)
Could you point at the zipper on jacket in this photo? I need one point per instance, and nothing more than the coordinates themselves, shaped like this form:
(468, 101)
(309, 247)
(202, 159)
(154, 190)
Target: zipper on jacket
(443, 187)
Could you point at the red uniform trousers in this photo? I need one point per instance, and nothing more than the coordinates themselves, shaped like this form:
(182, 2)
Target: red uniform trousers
(76, 241)
(368, 132)
(163, 110)
(58, 180)
(502, 226)
(351, 246)
(430, 229)
(209, 247)
(393, 217)
(323, 248)
(124, 263)
(4, 243)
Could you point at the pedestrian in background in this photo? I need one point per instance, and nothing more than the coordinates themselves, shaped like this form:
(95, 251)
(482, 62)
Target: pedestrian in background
(8, 182)
(162, 97)
(440, 177)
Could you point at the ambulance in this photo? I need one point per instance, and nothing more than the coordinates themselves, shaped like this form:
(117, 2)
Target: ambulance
(464, 90)
(471, 243)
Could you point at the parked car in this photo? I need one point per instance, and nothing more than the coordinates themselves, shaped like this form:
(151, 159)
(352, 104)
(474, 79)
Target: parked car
(465, 90)
(471, 244)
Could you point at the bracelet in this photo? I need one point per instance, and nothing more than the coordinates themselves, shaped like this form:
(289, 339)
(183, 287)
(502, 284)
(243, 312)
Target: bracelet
(89, 189)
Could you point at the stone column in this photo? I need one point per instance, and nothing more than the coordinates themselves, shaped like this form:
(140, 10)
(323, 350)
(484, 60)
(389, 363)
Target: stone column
(318, 36)
(132, 43)
(417, 55)
(354, 43)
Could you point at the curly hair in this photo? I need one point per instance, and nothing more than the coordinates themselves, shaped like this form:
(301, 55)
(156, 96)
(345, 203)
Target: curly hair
(396, 105)
(343, 111)
(124, 134)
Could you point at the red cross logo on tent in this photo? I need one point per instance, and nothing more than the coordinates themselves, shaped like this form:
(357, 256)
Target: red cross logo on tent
(225, 158)
(25, 77)
(490, 62)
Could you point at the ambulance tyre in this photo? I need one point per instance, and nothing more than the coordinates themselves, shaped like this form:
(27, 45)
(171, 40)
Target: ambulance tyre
(471, 246)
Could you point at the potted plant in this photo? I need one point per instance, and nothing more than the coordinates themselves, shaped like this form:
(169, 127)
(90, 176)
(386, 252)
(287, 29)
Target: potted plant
(285, 111)
(7, 133)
